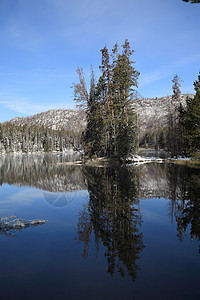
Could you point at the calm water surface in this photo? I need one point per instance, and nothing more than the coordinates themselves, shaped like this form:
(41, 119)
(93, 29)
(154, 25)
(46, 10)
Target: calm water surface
(129, 233)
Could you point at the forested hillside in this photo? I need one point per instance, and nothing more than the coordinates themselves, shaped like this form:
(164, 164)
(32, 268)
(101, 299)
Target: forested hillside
(36, 139)
(60, 130)
(51, 131)
(154, 116)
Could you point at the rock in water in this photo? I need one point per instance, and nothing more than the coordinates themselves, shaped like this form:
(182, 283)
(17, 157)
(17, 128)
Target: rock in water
(38, 222)
(10, 224)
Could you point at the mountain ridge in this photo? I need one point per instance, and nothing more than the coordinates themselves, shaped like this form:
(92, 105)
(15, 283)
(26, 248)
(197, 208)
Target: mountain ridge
(153, 113)
(71, 120)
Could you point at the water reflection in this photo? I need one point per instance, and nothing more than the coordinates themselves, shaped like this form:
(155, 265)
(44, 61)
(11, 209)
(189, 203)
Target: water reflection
(181, 186)
(189, 211)
(113, 216)
(42, 171)
(113, 212)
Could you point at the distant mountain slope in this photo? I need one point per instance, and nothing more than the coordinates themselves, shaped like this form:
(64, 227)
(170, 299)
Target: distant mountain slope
(154, 112)
(51, 131)
(153, 115)
(72, 120)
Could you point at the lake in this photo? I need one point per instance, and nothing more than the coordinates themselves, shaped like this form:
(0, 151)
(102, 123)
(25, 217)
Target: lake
(128, 233)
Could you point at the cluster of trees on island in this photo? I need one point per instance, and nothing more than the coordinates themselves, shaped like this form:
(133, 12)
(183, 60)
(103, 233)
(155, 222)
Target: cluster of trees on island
(110, 127)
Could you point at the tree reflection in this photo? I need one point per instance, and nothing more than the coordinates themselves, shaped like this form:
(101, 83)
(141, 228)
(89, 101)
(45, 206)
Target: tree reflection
(112, 215)
(184, 184)
(190, 214)
(176, 180)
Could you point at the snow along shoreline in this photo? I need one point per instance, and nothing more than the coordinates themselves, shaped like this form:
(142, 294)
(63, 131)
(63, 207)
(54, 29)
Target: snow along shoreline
(20, 153)
(139, 160)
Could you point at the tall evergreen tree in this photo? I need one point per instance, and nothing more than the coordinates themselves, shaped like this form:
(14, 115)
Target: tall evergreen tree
(106, 99)
(176, 97)
(92, 137)
(174, 135)
(124, 81)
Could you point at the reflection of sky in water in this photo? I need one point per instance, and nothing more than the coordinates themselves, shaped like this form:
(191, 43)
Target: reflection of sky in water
(34, 203)
(154, 210)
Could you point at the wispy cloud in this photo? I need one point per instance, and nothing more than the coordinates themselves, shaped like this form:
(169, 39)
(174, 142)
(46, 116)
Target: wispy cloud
(168, 70)
(35, 77)
(154, 76)
(26, 106)
(187, 60)
(25, 196)
(22, 197)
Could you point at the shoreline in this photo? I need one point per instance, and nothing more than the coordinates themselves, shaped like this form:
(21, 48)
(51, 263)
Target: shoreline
(37, 153)
(112, 162)
(135, 161)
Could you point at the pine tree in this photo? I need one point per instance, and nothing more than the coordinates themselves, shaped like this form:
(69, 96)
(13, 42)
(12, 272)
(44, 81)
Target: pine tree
(106, 100)
(176, 97)
(173, 130)
(92, 138)
(124, 81)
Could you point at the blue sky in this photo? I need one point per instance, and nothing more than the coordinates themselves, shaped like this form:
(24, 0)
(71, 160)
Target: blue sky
(43, 42)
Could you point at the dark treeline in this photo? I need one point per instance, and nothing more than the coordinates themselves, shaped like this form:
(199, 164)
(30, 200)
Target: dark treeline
(184, 124)
(181, 135)
(189, 123)
(111, 129)
(34, 139)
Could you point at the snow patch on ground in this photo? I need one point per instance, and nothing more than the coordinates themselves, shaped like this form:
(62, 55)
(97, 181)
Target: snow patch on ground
(139, 160)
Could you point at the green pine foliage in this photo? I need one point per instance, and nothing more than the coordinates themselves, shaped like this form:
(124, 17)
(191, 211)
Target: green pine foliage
(190, 122)
(192, 1)
(173, 136)
(110, 127)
